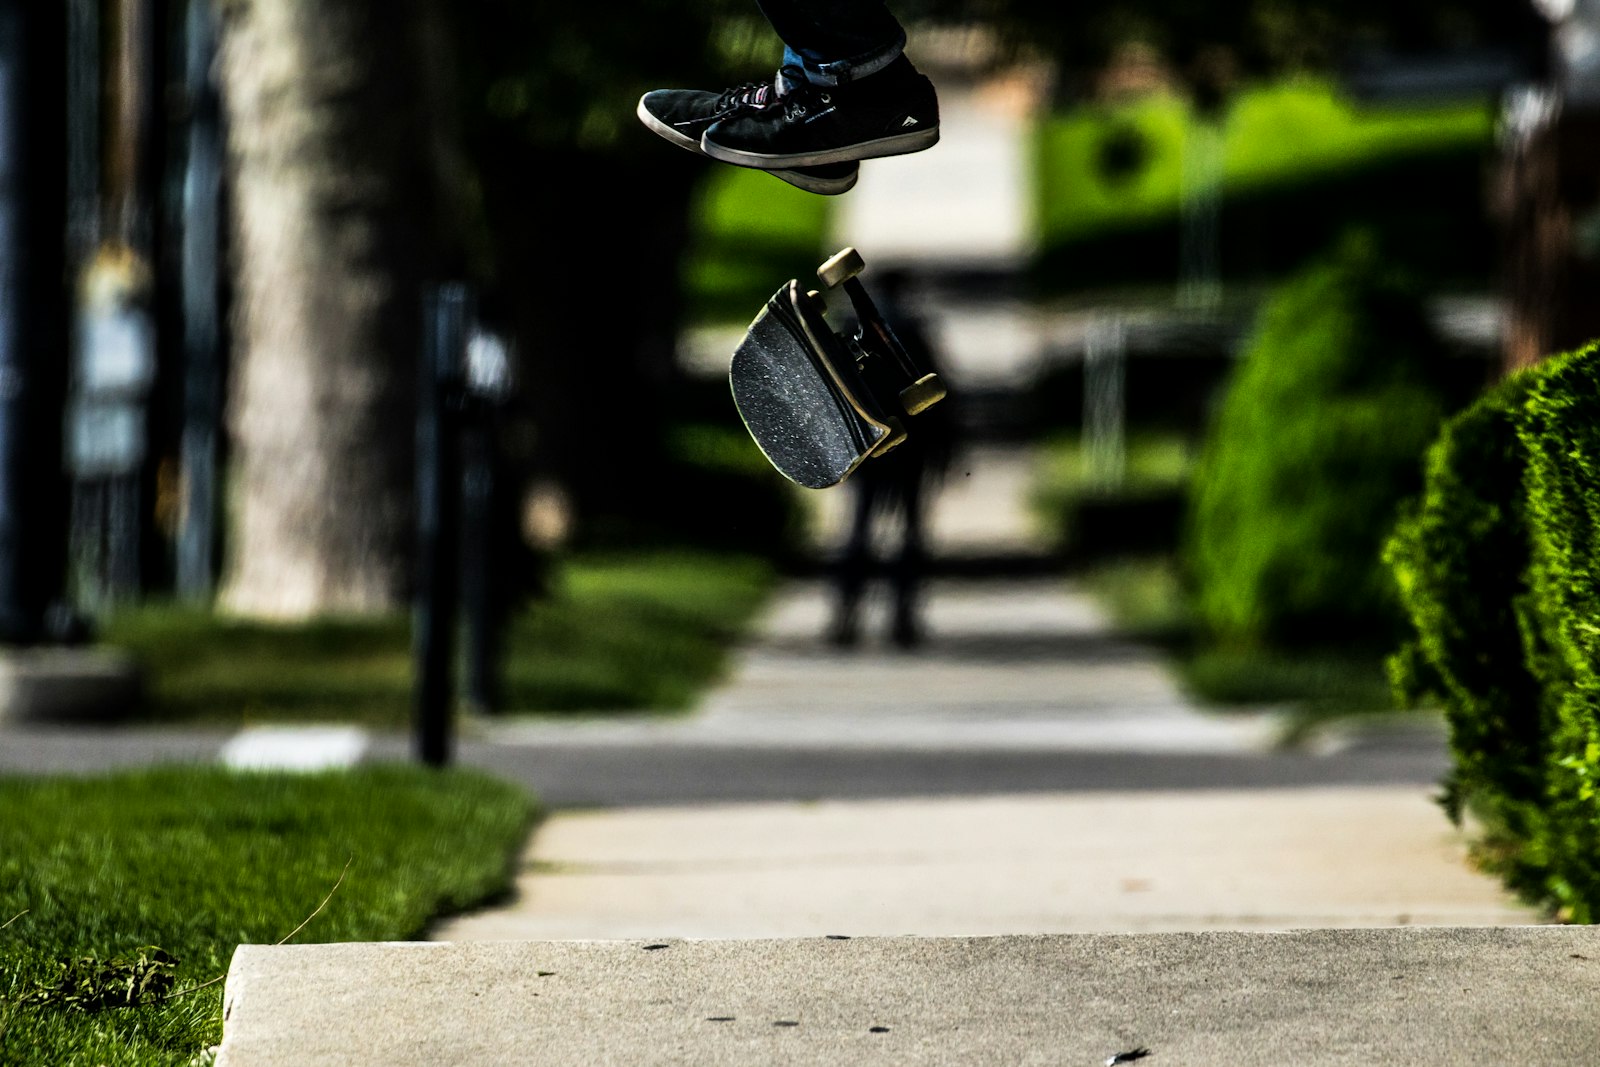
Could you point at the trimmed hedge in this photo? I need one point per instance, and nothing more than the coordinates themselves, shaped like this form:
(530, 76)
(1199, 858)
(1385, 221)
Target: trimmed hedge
(1302, 164)
(1498, 564)
(1318, 440)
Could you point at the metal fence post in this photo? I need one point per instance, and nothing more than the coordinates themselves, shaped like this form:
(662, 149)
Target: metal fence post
(16, 619)
(488, 383)
(1105, 401)
(446, 313)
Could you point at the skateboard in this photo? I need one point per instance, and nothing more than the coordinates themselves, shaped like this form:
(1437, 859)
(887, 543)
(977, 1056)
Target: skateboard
(820, 402)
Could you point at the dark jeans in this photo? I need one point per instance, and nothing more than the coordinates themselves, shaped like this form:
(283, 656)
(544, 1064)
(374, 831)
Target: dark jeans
(835, 41)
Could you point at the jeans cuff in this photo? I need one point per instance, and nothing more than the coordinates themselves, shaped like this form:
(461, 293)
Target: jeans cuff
(829, 73)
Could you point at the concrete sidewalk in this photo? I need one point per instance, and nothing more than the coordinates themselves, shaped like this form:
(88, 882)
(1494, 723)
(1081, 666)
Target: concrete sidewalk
(1346, 997)
(1108, 862)
(1139, 862)
(1015, 665)
(1020, 667)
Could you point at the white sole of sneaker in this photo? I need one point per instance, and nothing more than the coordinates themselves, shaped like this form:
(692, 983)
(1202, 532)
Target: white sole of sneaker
(662, 129)
(811, 183)
(898, 145)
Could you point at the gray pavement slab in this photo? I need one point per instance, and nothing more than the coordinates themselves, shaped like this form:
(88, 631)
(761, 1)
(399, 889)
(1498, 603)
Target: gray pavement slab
(1106, 862)
(1020, 687)
(644, 774)
(1008, 666)
(39, 749)
(64, 683)
(1332, 997)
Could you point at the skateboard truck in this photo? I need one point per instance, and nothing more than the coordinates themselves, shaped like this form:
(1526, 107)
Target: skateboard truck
(819, 402)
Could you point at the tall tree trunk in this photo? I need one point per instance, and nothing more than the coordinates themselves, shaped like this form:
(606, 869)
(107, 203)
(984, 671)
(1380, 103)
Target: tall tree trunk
(1549, 199)
(331, 165)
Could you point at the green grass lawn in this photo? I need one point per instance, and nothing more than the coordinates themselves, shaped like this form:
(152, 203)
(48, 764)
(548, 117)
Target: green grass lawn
(1091, 520)
(1147, 599)
(618, 633)
(1299, 163)
(1155, 463)
(197, 861)
(752, 233)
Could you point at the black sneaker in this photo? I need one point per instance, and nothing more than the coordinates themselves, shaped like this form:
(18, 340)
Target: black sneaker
(887, 114)
(682, 116)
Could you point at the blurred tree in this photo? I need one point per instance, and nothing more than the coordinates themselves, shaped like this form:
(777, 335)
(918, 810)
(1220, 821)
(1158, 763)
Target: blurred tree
(584, 219)
(1547, 196)
(1548, 192)
(335, 127)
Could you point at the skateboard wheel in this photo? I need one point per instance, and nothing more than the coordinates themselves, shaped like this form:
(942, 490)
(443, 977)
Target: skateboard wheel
(844, 265)
(922, 394)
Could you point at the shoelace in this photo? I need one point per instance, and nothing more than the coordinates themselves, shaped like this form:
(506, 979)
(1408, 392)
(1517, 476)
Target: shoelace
(748, 95)
(797, 102)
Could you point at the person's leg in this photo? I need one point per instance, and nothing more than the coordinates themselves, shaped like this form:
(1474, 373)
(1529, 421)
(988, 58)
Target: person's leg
(906, 628)
(850, 579)
(835, 42)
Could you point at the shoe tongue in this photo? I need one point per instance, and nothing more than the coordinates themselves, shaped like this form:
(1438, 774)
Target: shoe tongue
(787, 80)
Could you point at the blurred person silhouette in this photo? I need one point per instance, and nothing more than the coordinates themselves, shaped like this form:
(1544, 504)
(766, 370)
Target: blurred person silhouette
(895, 485)
(845, 92)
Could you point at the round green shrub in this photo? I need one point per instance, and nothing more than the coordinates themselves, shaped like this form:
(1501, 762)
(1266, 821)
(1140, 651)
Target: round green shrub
(1318, 439)
(1460, 558)
(1498, 565)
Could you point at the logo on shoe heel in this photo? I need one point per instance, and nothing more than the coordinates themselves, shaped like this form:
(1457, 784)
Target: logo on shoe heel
(909, 120)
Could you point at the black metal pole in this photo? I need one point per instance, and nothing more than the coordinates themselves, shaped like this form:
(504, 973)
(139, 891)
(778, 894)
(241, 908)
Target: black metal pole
(86, 534)
(83, 122)
(16, 616)
(202, 232)
(446, 314)
(30, 305)
(478, 564)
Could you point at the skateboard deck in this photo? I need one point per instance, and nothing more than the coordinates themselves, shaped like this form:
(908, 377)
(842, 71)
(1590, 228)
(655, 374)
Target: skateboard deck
(792, 400)
(817, 402)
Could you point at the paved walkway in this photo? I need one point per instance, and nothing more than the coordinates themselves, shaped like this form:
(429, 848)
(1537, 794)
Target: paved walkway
(1343, 997)
(1016, 665)
(1009, 667)
(1054, 863)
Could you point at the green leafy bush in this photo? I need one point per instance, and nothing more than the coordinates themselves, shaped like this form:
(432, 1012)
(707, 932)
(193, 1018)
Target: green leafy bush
(1460, 557)
(1499, 567)
(1318, 440)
